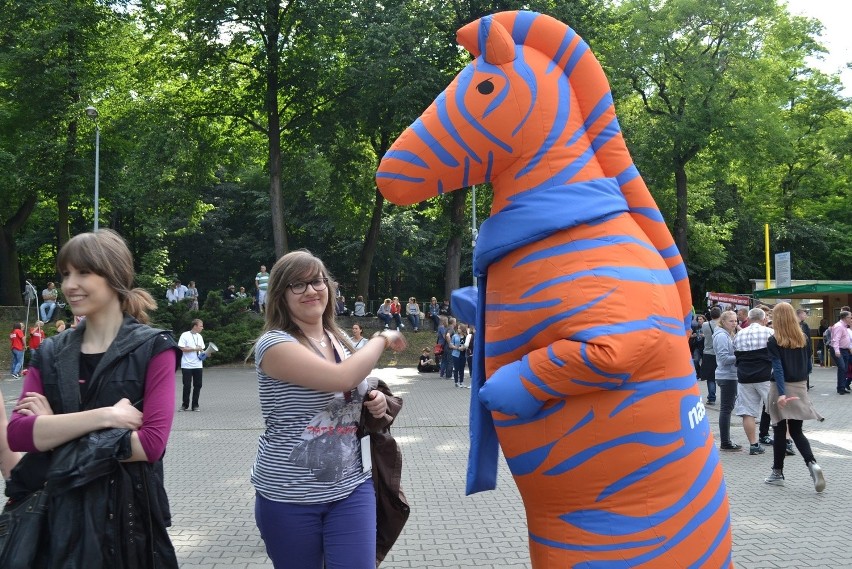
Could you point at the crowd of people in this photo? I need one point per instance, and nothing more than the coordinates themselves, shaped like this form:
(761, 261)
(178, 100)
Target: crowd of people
(316, 500)
(758, 362)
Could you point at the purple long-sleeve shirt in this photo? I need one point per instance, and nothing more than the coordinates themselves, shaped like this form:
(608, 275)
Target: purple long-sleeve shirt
(156, 419)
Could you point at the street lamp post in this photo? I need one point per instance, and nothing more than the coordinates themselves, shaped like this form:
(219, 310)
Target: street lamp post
(92, 113)
(474, 232)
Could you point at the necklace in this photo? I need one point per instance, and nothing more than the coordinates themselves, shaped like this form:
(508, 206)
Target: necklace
(321, 341)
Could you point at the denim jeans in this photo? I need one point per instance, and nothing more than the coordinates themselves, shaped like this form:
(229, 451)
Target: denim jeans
(711, 391)
(458, 368)
(728, 395)
(842, 364)
(331, 535)
(17, 361)
(415, 321)
(446, 363)
(398, 319)
(46, 310)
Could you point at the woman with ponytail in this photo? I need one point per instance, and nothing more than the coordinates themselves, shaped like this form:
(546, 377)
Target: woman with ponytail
(102, 395)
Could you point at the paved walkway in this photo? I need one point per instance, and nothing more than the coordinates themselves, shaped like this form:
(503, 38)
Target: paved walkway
(210, 453)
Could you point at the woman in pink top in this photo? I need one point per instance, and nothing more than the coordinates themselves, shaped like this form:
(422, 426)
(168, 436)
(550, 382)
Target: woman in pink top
(102, 398)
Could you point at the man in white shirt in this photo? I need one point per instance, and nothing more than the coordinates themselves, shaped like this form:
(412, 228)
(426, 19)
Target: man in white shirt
(49, 295)
(261, 281)
(175, 292)
(192, 345)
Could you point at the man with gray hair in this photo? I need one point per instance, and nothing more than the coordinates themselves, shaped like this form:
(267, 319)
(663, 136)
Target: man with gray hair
(754, 370)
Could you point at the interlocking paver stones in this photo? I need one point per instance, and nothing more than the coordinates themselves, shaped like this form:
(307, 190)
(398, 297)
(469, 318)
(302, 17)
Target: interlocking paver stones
(210, 455)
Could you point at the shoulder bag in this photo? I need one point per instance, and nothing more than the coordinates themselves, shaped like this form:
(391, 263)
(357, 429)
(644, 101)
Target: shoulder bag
(23, 525)
(392, 509)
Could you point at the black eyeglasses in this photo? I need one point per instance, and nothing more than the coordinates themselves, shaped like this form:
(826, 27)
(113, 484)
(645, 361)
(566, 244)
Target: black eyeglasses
(317, 284)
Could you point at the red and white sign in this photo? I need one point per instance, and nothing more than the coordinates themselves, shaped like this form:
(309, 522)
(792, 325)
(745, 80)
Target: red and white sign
(726, 298)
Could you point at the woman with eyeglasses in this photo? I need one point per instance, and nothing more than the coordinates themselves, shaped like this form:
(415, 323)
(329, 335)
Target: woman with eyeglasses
(315, 503)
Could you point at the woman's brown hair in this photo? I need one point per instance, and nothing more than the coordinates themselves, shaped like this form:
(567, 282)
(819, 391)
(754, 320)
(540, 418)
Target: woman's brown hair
(106, 254)
(788, 333)
(299, 266)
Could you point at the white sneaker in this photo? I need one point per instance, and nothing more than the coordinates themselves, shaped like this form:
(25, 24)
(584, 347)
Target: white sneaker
(817, 476)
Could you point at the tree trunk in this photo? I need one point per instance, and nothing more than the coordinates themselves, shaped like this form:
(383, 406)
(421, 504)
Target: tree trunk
(10, 277)
(680, 218)
(371, 242)
(452, 272)
(276, 199)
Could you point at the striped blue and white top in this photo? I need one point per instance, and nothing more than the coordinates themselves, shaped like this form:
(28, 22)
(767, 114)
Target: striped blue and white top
(309, 453)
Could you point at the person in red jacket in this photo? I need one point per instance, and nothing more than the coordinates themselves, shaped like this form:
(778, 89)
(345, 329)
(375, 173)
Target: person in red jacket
(17, 341)
(36, 337)
(396, 313)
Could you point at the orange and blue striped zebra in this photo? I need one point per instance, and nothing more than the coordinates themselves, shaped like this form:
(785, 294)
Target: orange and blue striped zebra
(584, 375)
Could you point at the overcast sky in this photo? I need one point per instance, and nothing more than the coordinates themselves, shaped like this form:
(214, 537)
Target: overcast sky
(836, 16)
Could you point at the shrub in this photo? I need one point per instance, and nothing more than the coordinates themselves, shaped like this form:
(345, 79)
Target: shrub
(232, 327)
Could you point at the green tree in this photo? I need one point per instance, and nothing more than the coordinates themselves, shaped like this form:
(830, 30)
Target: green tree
(685, 64)
(55, 57)
(269, 64)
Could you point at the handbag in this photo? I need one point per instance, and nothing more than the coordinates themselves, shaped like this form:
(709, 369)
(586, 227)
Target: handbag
(22, 528)
(392, 509)
(438, 349)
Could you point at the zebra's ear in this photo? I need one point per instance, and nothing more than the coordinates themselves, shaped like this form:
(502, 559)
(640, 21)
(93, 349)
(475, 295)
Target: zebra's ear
(488, 37)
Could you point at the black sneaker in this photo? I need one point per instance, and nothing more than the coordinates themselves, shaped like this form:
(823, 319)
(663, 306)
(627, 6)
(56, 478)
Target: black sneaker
(756, 449)
(730, 446)
(196, 409)
(765, 439)
(789, 450)
(709, 402)
(184, 409)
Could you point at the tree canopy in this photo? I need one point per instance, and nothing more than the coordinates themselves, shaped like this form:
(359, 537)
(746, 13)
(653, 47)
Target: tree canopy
(232, 131)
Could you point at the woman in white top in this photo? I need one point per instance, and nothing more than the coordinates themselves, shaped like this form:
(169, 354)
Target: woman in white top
(412, 309)
(358, 341)
(315, 503)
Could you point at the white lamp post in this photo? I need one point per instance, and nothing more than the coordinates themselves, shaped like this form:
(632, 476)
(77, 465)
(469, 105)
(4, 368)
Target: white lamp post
(92, 113)
(474, 232)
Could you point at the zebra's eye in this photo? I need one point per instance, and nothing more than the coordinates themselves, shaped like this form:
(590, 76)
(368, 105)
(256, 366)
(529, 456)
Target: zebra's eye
(486, 87)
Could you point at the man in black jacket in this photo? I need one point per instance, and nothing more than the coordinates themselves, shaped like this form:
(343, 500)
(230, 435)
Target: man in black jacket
(754, 370)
